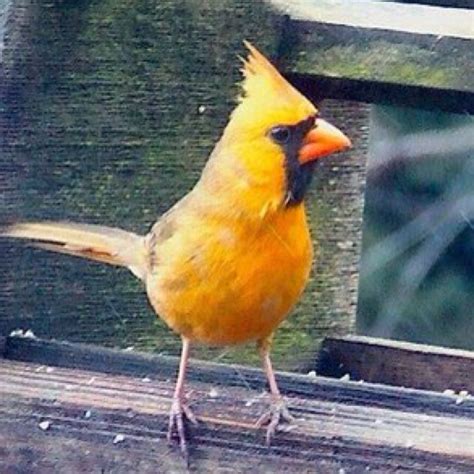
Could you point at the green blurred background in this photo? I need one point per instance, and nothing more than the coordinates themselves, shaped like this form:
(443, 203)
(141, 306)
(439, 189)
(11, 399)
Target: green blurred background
(417, 268)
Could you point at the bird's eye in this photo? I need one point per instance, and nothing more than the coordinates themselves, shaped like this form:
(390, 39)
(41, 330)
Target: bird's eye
(280, 134)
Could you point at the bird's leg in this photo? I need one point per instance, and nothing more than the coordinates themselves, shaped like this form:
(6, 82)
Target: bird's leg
(179, 409)
(278, 410)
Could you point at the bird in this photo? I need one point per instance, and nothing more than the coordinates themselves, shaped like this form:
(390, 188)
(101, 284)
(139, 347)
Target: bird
(226, 264)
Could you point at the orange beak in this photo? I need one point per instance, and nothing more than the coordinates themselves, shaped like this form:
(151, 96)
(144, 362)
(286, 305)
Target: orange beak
(324, 139)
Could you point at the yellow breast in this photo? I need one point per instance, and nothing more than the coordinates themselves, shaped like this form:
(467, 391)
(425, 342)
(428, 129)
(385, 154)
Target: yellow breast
(225, 283)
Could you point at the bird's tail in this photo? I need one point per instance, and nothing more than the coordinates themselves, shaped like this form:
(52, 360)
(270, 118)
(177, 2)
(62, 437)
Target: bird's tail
(95, 242)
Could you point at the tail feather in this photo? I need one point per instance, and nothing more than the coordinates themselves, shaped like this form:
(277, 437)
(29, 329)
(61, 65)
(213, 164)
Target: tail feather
(95, 242)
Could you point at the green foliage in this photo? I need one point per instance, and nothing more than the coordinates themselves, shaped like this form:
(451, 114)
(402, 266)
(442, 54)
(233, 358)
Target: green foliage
(421, 286)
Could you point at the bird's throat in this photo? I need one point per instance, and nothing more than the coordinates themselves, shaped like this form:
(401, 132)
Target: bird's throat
(298, 180)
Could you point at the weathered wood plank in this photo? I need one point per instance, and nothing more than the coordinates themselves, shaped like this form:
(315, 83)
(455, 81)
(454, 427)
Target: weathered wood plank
(397, 363)
(380, 52)
(92, 408)
(342, 51)
(87, 357)
(387, 16)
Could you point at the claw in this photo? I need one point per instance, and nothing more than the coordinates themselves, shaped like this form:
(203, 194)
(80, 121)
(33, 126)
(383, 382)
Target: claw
(277, 413)
(178, 413)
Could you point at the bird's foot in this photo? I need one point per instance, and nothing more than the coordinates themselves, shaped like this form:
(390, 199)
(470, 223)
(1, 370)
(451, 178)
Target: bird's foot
(179, 412)
(277, 413)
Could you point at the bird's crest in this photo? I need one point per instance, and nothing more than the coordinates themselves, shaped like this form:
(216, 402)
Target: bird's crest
(260, 73)
(265, 91)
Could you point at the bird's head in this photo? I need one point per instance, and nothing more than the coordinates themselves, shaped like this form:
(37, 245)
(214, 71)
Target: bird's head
(277, 133)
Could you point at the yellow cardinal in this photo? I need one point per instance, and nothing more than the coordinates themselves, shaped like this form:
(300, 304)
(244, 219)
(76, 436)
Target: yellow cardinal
(226, 263)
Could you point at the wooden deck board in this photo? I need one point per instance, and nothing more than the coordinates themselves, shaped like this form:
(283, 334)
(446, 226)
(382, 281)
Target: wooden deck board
(337, 428)
(385, 53)
(397, 363)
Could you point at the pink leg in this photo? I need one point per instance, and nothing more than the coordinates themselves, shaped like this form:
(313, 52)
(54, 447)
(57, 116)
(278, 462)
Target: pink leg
(268, 368)
(179, 409)
(278, 410)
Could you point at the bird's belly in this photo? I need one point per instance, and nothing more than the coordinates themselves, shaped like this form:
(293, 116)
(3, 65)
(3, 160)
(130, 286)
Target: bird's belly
(229, 294)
